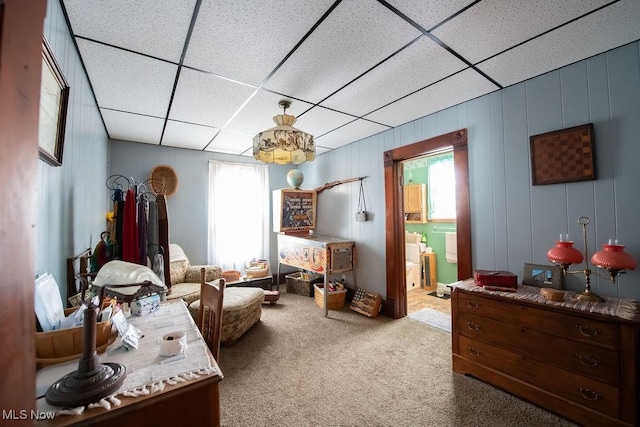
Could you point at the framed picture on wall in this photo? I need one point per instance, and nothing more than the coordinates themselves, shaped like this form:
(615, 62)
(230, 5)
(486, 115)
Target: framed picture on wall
(54, 98)
(561, 156)
(542, 276)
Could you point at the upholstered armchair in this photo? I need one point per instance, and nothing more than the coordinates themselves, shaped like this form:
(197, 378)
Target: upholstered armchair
(185, 278)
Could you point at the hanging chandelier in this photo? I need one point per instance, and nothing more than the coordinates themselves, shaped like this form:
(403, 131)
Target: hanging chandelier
(284, 144)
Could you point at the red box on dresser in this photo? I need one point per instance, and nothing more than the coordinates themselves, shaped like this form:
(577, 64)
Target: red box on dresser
(503, 279)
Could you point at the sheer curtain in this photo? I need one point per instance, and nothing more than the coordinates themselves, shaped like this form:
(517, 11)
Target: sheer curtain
(238, 214)
(442, 187)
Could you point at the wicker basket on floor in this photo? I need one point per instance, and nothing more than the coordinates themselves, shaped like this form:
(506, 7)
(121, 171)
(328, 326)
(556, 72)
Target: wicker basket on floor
(231, 275)
(336, 298)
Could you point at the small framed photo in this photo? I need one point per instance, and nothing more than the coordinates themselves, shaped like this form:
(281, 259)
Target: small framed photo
(542, 276)
(54, 98)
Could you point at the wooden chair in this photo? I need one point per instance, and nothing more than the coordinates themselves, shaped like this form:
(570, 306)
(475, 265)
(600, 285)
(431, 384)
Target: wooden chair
(210, 323)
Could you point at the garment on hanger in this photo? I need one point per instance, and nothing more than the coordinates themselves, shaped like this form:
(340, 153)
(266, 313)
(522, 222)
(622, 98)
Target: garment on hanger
(130, 247)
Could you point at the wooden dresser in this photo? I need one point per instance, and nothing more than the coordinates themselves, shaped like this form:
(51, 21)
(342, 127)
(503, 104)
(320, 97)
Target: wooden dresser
(580, 365)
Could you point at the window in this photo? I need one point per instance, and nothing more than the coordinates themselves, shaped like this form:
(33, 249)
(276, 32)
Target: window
(441, 187)
(238, 214)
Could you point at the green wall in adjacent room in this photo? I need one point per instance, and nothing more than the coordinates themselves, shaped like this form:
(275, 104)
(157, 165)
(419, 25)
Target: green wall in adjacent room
(447, 272)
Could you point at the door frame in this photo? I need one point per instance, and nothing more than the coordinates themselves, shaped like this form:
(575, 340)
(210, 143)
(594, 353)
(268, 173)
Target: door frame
(395, 305)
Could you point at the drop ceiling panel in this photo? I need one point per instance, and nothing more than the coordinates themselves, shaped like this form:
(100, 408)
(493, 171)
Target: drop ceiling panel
(127, 81)
(492, 26)
(357, 35)
(187, 135)
(134, 25)
(257, 115)
(348, 133)
(205, 99)
(231, 142)
(422, 63)
(576, 41)
(467, 84)
(132, 127)
(318, 121)
(245, 40)
(428, 13)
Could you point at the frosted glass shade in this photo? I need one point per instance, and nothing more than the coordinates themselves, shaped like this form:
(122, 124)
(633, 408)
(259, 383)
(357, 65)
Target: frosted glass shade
(564, 253)
(613, 257)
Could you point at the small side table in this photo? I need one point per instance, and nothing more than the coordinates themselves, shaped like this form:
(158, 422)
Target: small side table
(265, 283)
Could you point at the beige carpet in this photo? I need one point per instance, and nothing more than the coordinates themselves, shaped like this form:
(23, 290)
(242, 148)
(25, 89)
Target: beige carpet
(298, 368)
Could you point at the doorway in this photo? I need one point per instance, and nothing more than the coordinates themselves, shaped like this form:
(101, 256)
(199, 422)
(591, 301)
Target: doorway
(395, 305)
(430, 230)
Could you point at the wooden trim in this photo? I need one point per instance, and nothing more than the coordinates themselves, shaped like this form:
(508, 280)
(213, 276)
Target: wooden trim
(20, 65)
(395, 305)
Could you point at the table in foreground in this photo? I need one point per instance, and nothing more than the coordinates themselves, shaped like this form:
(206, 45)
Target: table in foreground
(194, 400)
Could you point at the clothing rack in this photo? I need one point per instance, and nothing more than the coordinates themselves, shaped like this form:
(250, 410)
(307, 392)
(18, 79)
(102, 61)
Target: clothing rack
(120, 182)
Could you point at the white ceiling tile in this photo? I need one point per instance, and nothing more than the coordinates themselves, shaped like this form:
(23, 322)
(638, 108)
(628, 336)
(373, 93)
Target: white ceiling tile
(246, 40)
(127, 81)
(257, 115)
(318, 121)
(492, 26)
(357, 35)
(132, 127)
(231, 142)
(134, 25)
(617, 25)
(187, 135)
(428, 13)
(467, 84)
(421, 64)
(349, 133)
(206, 99)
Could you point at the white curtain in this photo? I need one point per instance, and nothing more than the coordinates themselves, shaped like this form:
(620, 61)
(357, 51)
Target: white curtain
(238, 214)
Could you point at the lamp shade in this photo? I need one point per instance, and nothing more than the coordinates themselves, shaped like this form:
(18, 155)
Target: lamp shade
(564, 253)
(613, 257)
(284, 144)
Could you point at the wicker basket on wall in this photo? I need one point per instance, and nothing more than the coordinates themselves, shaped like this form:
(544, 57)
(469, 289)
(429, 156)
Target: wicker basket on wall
(164, 180)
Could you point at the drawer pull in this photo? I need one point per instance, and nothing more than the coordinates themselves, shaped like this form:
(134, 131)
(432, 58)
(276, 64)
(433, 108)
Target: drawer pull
(587, 331)
(588, 361)
(472, 304)
(474, 351)
(472, 326)
(589, 394)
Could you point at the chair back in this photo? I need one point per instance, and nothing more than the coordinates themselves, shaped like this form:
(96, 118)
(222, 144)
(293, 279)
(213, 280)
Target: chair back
(210, 315)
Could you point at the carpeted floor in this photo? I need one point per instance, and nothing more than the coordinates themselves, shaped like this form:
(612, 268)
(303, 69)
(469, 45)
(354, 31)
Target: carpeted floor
(298, 368)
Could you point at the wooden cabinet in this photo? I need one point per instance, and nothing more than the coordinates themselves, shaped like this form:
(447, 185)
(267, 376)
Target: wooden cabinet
(429, 272)
(577, 364)
(415, 203)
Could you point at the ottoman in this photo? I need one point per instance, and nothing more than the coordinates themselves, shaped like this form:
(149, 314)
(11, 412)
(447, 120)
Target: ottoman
(241, 309)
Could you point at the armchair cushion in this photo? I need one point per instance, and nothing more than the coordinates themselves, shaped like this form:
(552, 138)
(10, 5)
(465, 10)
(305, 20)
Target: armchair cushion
(185, 278)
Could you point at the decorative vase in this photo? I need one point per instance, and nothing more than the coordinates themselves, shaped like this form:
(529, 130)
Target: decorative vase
(613, 257)
(564, 253)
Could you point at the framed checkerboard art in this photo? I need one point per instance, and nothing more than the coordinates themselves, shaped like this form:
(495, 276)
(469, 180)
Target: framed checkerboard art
(561, 156)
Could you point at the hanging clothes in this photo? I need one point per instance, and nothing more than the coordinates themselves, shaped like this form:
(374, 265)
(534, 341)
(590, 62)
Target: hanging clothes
(163, 235)
(142, 230)
(118, 209)
(153, 239)
(130, 247)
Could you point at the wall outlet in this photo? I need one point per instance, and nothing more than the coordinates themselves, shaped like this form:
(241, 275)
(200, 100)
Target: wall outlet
(344, 278)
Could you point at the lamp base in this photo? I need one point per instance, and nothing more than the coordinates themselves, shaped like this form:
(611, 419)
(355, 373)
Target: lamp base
(82, 388)
(589, 296)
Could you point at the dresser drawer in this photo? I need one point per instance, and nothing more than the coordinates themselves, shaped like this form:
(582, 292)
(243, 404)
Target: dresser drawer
(584, 328)
(580, 389)
(583, 358)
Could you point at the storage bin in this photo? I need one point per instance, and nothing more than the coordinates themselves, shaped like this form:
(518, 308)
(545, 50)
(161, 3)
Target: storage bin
(336, 298)
(302, 283)
(63, 345)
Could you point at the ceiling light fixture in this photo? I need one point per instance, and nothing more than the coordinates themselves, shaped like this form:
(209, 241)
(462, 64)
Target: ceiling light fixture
(284, 144)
